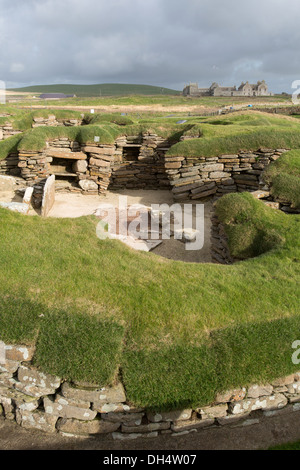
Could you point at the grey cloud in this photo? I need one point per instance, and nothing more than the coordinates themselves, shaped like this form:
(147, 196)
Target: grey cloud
(160, 42)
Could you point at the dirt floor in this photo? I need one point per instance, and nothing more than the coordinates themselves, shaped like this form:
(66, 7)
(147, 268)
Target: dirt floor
(270, 431)
(77, 205)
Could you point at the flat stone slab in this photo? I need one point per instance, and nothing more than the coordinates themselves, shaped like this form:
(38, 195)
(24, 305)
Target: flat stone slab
(48, 196)
(139, 245)
(7, 183)
(20, 207)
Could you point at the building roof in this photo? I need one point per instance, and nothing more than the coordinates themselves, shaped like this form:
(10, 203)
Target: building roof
(45, 96)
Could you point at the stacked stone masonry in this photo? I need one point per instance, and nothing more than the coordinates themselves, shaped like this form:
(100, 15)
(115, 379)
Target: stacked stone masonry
(44, 402)
(7, 129)
(139, 162)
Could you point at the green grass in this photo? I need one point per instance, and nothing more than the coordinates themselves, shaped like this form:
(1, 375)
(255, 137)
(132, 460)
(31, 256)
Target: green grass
(245, 132)
(231, 134)
(89, 96)
(103, 89)
(284, 178)
(288, 446)
(177, 333)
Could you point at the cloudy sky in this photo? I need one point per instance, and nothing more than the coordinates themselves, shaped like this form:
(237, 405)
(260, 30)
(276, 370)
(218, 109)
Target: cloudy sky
(157, 42)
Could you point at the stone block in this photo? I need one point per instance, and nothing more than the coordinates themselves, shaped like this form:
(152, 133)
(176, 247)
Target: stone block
(122, 417)
(256, 391)
(273, 402)
(190, 425)
(77, 427)
(182, 415)
(231, 395)
(7, 183)
(100, 396)
(211, 412)
(64, 410)
(146, 428)
(32, 376)
(48, 196)
(36, 420)
(19, 352)
(88, 185)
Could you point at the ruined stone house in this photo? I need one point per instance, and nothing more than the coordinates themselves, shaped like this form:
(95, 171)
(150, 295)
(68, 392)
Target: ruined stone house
(245, 89)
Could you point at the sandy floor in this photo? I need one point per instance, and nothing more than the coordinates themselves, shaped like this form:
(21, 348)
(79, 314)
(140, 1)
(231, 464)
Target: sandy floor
(77, 205)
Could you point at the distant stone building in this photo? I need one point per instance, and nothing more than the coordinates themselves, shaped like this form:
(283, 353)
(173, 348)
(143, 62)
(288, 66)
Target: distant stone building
(55, 96)
(245, 89)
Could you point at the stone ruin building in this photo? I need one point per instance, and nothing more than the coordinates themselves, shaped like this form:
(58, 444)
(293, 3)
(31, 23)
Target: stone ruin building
(245, 89)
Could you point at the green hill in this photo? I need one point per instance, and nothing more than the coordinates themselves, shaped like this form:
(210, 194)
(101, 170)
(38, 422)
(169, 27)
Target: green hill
(103, 89)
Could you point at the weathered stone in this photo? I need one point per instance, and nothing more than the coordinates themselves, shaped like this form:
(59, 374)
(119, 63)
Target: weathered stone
(256, 391)
(80, 166)
(189, 425)
(66, 411)
(133, 436)
(88, 185)
(115, 408)
(19, 207)
(219, 174)
(101, 396)
(48, 196)
(145, 428)
(9, 366)
(77, 427)
(7, 183)
(170, 416)
(28, 195)
(11, 399)
(122, 417)
(211, 412)
(215, 167)
(293, 388)
(231, 395)
(171, 165)
(19, 352)
(270, 402)
(99, 150)
(32, 376)
(65, 154)
(36, 420)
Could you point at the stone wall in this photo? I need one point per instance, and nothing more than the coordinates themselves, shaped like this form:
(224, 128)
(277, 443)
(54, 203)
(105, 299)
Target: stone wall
(7, 130)
(141, 162)
(199, 177)
(47, 403)
(94, 167)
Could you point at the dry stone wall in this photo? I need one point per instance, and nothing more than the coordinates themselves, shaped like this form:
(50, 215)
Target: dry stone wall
(7, 130)
(199, 177)
(47, 403)
(139, 162)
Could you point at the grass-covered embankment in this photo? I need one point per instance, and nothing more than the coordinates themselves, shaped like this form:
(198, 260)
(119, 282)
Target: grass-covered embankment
(179, 332)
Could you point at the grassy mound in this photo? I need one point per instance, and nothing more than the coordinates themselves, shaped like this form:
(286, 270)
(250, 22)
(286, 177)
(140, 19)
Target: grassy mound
(284, 178)
(178, 332)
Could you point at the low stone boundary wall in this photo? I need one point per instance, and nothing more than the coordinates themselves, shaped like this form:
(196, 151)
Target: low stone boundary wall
(47, 403)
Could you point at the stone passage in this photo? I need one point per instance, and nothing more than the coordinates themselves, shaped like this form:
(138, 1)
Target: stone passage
(47, 403)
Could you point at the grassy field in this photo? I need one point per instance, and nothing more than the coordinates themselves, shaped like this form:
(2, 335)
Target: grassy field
(177, 333)
(101, 89)
(156, 97)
